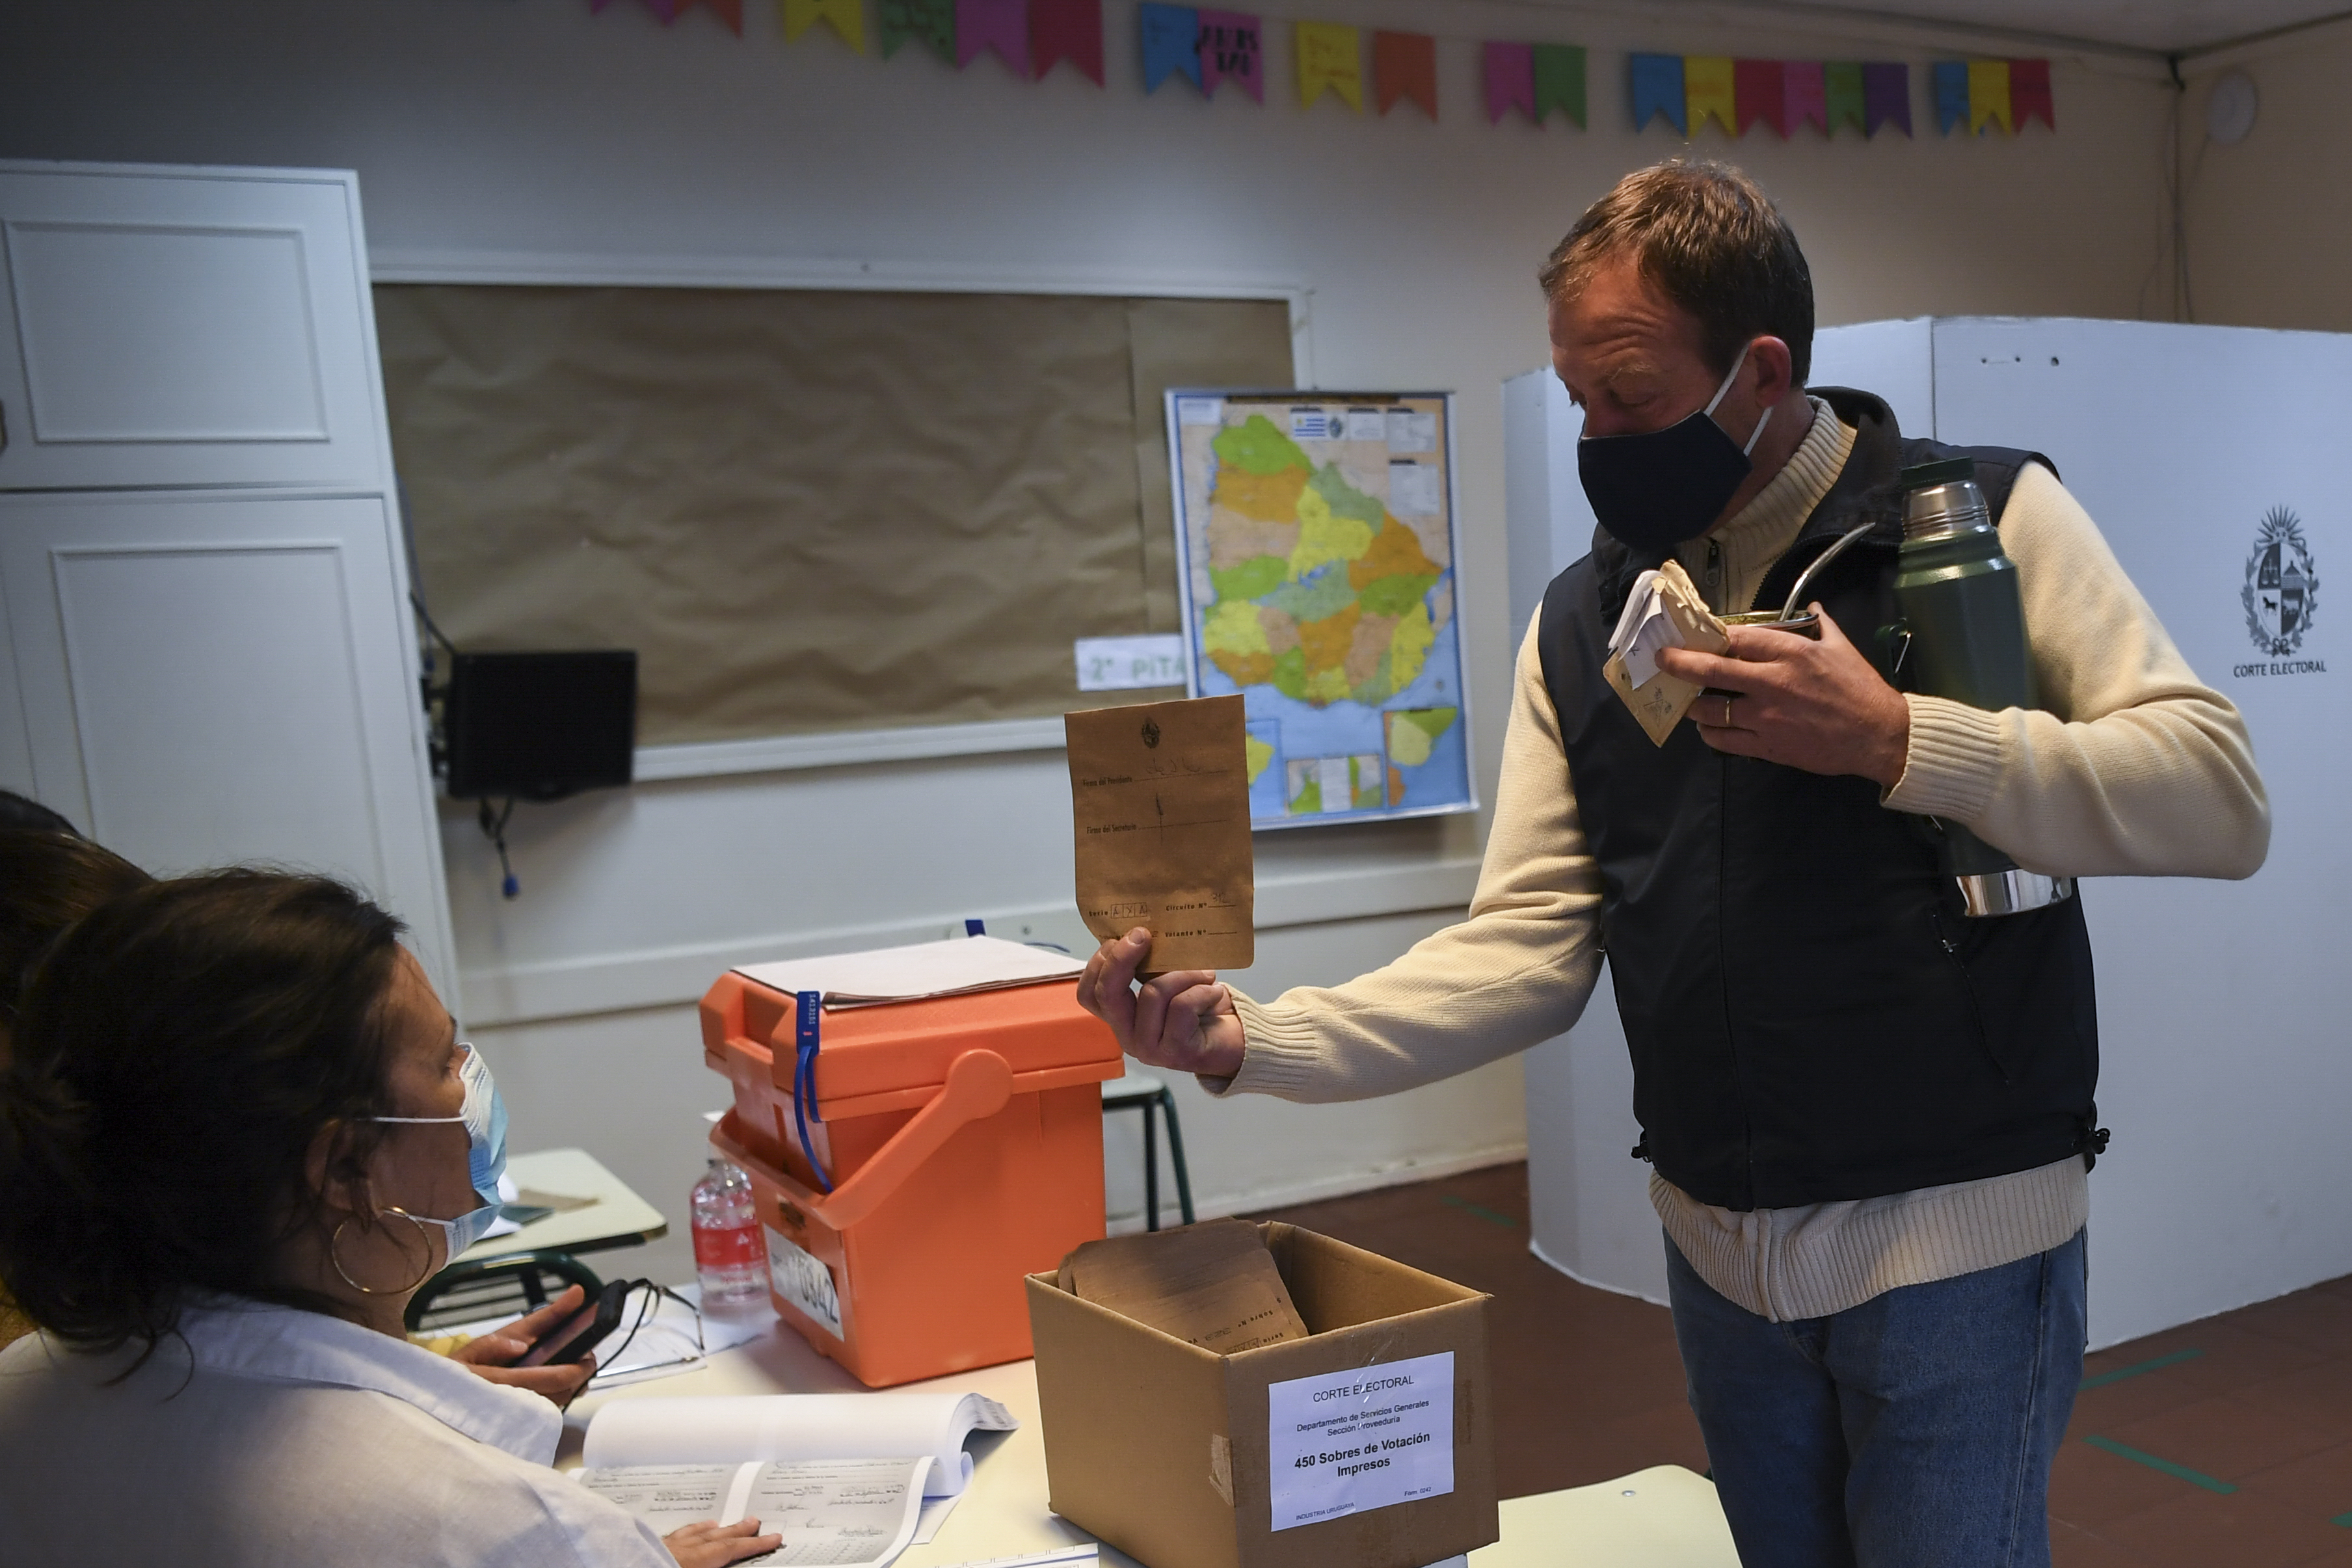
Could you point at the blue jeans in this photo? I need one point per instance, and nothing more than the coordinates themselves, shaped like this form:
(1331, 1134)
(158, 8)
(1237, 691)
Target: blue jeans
(1913, 1431)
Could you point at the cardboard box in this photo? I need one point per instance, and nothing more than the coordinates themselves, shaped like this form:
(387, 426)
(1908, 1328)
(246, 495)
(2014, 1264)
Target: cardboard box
(1168, 1452)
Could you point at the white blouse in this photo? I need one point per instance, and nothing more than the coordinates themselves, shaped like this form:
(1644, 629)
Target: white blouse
(276, 1437)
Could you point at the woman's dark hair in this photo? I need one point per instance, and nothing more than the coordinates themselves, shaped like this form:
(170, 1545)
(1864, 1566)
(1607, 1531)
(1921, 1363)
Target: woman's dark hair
(172, 1061)
(18, 815)
(48, 881)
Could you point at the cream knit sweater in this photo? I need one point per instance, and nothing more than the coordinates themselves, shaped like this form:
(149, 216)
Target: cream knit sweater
(2135, 768)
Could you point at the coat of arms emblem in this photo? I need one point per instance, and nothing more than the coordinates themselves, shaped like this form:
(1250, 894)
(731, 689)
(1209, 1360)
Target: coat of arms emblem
(2282, 588)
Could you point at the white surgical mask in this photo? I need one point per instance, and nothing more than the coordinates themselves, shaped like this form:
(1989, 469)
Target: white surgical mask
(485, 1120)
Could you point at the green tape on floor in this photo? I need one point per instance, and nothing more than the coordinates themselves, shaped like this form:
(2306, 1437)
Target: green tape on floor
(2180, 1472)
(1482, 1211)
(2119, 1374)
(2342, 1518)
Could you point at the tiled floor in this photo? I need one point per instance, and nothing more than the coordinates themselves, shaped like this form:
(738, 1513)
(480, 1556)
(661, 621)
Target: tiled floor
(2226, 1444)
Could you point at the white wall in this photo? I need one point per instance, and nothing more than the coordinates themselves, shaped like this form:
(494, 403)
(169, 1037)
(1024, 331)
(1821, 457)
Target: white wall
(481, 127)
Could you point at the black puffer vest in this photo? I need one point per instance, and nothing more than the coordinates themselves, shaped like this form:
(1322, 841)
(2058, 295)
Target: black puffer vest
(1812, 1017)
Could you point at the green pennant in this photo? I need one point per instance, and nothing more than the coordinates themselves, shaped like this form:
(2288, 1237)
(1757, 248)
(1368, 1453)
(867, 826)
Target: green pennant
(1841, 94)
(1559, 81)
(932, 21)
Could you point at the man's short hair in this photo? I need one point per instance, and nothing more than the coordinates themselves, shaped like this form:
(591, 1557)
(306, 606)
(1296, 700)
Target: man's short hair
(1713, 242)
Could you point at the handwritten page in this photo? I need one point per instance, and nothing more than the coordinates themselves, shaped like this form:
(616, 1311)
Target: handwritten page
(1159, 798)
(855, 1512)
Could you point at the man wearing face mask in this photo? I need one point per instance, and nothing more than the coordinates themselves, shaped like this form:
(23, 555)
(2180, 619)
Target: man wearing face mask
(1869, 1118)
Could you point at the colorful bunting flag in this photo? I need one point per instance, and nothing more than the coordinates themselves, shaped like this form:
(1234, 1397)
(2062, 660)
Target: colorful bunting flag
(1510, 75)
(932, 21)
(1067, 31)
(1885, 96)
(1558, 71)
(999, 24)
(1841, 95)
(1208, 48)
(1404, 67)
(2028, 93)
(845, 17)
(1331, 55)
(1760, 91)
(1658, 89)
(1232, 45)
(1989, 95)
(1170, 36)
(1951, 78)
(1805, 96)
(1707, 90)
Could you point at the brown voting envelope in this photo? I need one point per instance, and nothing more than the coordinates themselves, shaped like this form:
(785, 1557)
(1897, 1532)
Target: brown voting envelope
(1659, 701)
(1159, 798)
(1213, 1284)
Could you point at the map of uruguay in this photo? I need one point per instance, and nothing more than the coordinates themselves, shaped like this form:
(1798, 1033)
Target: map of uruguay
(1319, 592)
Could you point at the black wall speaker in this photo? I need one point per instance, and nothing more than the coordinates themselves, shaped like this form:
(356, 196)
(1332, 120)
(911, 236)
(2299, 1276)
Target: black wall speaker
(539, 727)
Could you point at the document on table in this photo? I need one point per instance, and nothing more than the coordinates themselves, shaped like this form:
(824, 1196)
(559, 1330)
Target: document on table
(1159, 805)
(796, 1428)
(842, 1513)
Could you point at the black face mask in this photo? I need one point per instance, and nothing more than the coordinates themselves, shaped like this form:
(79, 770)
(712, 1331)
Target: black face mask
(1658, 488)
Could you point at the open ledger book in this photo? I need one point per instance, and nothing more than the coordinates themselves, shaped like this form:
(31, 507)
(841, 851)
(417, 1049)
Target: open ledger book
(846, 1479)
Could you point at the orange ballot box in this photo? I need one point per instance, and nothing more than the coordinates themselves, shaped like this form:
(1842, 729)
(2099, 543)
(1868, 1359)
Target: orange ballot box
(917, 1144)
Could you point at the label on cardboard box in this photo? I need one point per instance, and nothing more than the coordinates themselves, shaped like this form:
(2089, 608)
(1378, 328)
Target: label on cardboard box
(1348, 1442)
(801, 1278)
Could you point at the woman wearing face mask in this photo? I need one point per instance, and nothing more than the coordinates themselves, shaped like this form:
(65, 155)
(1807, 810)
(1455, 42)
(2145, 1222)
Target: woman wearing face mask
(237, 1131)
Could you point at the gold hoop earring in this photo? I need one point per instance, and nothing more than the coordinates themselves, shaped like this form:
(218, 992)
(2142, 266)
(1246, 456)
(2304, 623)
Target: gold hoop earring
(334, 1256)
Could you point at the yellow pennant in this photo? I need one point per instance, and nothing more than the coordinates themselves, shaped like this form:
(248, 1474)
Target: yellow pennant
(1989, 95)
(1329, 55)
(848, 16)
(1706, 89)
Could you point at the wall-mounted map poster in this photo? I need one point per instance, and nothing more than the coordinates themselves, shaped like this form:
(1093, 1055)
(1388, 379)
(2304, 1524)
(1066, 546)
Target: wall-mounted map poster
(1316, 532)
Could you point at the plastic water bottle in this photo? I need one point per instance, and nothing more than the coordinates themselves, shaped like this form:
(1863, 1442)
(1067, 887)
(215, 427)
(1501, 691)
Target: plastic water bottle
(729, 1255)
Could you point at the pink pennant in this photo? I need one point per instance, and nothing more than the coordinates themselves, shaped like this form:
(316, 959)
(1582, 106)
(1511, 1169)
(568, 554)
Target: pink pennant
(1233, 45)
(1807, 96)
(1510, 80)
(999, 24)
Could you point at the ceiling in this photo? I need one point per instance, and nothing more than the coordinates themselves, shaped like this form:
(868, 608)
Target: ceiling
(2156, 26)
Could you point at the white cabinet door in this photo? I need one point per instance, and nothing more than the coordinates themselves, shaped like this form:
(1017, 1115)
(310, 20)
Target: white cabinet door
(211, 679)
(184, 326)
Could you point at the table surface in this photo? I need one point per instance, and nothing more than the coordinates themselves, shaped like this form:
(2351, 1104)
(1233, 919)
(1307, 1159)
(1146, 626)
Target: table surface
(1661, 1518)
(618, 1216)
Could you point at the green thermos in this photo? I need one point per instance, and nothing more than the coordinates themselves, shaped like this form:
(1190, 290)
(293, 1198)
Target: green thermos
(1962, 636)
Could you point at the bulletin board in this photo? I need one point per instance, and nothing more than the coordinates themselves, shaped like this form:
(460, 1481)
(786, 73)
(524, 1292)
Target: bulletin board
(809, 510)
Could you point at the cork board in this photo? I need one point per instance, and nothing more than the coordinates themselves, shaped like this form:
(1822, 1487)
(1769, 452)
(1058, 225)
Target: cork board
(808, 510)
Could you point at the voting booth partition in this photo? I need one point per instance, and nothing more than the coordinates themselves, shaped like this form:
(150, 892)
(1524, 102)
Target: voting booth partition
(2211, 459)
(960, 1145)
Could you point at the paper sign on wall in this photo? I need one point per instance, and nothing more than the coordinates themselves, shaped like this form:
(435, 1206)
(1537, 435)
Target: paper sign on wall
(1130, 663)
(1349, 1442)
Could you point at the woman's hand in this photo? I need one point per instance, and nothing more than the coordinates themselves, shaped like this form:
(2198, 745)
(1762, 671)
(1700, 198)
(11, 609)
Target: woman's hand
(715, 1545)
(492, 1356)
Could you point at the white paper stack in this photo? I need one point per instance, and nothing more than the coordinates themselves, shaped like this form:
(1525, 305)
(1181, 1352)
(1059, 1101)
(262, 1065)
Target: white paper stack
(1643, 629)
(955, 968)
